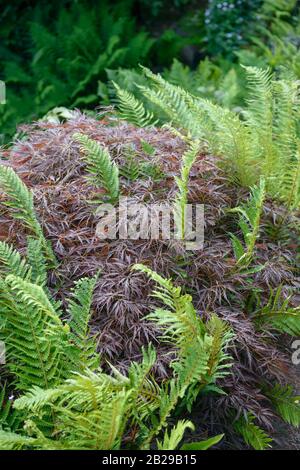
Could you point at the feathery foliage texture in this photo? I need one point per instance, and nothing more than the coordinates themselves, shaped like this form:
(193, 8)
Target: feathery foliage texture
(262, 141)
(104, 172)
(105, 362)
(90, 409)
(131, 109)
(20, 200)
(249, 223)
(286, 404)
(253, 435)
(278, 314)
(181, 199)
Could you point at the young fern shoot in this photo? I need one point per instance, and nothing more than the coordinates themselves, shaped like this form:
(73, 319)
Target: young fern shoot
(103, 171)
(181, 199)
(249, 221)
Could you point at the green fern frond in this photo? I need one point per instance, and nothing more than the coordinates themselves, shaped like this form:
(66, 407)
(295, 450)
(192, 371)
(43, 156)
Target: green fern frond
(176, 103)
(33, 296)
(36, 261)
(131, 169)
(13, 441)
(219, 361)
(10, 419)
(103, 171)
(132, 110)
(290, 182)
(91, 411)
(12, 263)
(181, 199)
(79, 308)
(259, 110)
(278, 315)
(252, 434)
(249, 222)
(180, 324)
(172, 440)
(20, 200)
(203, 445)
(286, 403)
(36, 334)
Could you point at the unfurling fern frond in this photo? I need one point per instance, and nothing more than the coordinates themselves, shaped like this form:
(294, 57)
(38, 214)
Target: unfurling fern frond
(181, 199)
(20, 200)
(249, 222)
(103, 171)
(286, 403)
(132, 110)
(252, 434)
(79, 308)
(278, 315)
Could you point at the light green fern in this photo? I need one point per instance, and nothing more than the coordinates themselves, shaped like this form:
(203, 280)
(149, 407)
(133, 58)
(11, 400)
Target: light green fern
(277, 314)
(103, 171)
(249, 223)
(181, 199)
(79, 309)
(132, 110)
(20, 200)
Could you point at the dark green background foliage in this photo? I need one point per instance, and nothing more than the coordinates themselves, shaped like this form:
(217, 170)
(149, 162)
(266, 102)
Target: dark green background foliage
(64, 53)
(227, 25)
